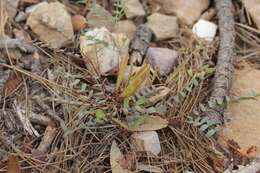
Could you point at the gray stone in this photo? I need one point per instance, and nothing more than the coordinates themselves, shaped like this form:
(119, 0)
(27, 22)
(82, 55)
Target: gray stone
(52, 23)
(98, 17)
(146, 141)
(162, 59)
(133, 8)
(163, 26)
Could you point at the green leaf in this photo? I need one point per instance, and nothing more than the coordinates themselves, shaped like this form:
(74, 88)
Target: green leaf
(161, 108)
(195, 82)
(190, 73)
(204, 120)
(202, 107)
(75, 82)
(136, 122)
(83, 87)
(183, 94)
(213, 122)
(126, 103)
(210, 70)
(211, 104)
(204, 127)
(211, 133)
(227, 99)
(141, 101)
(100, 115)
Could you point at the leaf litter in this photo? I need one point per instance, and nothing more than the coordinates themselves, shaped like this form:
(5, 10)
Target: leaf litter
(77, 117)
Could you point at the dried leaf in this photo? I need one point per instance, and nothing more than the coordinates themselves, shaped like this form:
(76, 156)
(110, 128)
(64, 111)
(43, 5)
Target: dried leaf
(12, 83)
(116, 158)
(161, 94)
(13, 165)
(121, 72)
(136, 82)
(248, 152)
(147, 123)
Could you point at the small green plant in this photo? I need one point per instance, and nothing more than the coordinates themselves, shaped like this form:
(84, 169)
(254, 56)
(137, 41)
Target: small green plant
(206, 125)
(100, 115)
(119, 11)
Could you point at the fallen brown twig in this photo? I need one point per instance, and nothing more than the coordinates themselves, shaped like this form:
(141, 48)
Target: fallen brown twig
(224, 68)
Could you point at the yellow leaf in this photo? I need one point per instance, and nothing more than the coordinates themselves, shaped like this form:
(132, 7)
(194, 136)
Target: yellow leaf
(121, 71)
(136, 82)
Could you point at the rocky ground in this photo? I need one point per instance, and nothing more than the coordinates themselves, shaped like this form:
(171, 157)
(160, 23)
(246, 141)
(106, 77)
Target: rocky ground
(119, 86)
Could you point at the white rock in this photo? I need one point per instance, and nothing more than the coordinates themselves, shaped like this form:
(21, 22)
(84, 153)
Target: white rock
(146, 141)
(133, 8)
(31, 8)
(188, 11)
(52, 23)
(162, 59)
(253, 7)
(205, 29)
(103, 50)
(126, 27)
(163, 26)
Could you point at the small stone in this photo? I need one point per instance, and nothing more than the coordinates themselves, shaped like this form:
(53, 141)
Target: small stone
(133, 8)
(146, 141)
(163, 26)
(253, 7)
(205, 29)
(79, 22)
(162, 59)
(187, 11)
(98, 17)
(126, 27)
(52, 23)
(21, 16)
(103, 50)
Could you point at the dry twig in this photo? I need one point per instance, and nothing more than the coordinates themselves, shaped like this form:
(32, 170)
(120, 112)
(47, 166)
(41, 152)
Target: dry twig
(224, 68)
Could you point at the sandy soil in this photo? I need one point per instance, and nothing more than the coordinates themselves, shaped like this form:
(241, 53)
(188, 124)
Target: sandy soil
(244, 125)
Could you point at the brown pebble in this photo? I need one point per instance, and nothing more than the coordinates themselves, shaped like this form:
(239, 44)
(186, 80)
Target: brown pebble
(79, 22)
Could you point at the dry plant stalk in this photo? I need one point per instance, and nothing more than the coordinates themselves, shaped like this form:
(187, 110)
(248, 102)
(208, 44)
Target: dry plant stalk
(3, 18)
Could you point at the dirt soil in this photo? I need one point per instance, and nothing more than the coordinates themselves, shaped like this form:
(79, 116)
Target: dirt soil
(244, 124)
